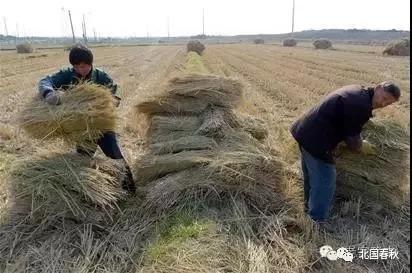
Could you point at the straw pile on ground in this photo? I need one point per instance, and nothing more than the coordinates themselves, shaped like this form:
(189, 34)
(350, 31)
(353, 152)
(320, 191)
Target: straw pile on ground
(259, 41)
(86, 111)
(322, 44)
(65, 185)
(199, 148)
(381, 179)
(194, 64)
(192, 95)
(195, 46)
(24, 48)
(398, 48)
(64, 216)
(290, 42)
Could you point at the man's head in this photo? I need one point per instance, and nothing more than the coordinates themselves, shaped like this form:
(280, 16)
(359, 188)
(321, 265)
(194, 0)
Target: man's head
(81, 59)
(385, 94)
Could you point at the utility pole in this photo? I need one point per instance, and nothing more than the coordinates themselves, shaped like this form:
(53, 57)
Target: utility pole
(147, 33)
(95, 37)
(17, 33)
(84, 29)
(6, 30)
(203, 22)
(293, 17)
(71, 24)
(5, 26)
(168, 29)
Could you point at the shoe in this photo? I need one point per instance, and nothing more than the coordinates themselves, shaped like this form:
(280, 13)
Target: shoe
(128, 182)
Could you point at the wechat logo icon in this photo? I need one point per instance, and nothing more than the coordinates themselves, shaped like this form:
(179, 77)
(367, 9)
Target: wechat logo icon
(342, 253)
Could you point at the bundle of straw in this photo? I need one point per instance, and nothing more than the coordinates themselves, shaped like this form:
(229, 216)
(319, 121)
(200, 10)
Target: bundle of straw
(192, 94)
(398, 48)
(206, 151)
(322, 44)
(247, 174)
(382, 179)
(86, 111)
(255, 126)
(71, 185)
(195, 46)
(290, 42)
(24, 48)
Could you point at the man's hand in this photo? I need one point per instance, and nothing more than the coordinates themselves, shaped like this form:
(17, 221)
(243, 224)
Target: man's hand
(354, 143)
(54, 97)
(368, 148)
(116, 101)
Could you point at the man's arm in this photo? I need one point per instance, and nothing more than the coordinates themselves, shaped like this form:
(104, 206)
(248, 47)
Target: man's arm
(107, 81)
(354, 142)
(354, 118)
(55, 81)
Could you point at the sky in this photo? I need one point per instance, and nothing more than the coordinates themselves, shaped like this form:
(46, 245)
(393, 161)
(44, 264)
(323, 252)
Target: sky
(155, 18)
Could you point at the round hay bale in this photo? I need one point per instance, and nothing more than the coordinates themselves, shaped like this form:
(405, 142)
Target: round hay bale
(70, 185)
(195, 46)
(322, 44)
(398, 48)
(24, 48)
(86, 112)
(258, 41)
(290, 42)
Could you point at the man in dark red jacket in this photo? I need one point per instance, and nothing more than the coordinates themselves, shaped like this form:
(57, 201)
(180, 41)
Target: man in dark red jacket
(339, 117)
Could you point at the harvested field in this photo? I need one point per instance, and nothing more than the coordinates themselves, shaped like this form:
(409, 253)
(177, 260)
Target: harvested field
(216, 230)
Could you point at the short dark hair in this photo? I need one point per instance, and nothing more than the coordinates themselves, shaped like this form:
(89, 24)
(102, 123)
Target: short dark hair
(391, 88)
(80, 54)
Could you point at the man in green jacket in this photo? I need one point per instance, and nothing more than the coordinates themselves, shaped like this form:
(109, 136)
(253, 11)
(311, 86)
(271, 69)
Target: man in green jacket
(50, 89)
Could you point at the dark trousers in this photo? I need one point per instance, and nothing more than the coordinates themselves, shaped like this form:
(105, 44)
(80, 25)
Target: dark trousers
(319, 185)
(108, 144)
(110, 147)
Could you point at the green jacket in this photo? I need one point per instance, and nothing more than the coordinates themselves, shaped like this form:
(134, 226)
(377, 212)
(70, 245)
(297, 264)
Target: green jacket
(67, 77)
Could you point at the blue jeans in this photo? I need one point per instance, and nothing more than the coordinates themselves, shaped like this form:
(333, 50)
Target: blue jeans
(319, 185)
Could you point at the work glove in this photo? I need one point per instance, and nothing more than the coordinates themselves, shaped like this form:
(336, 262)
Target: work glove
(368, 148)
(54, 97)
